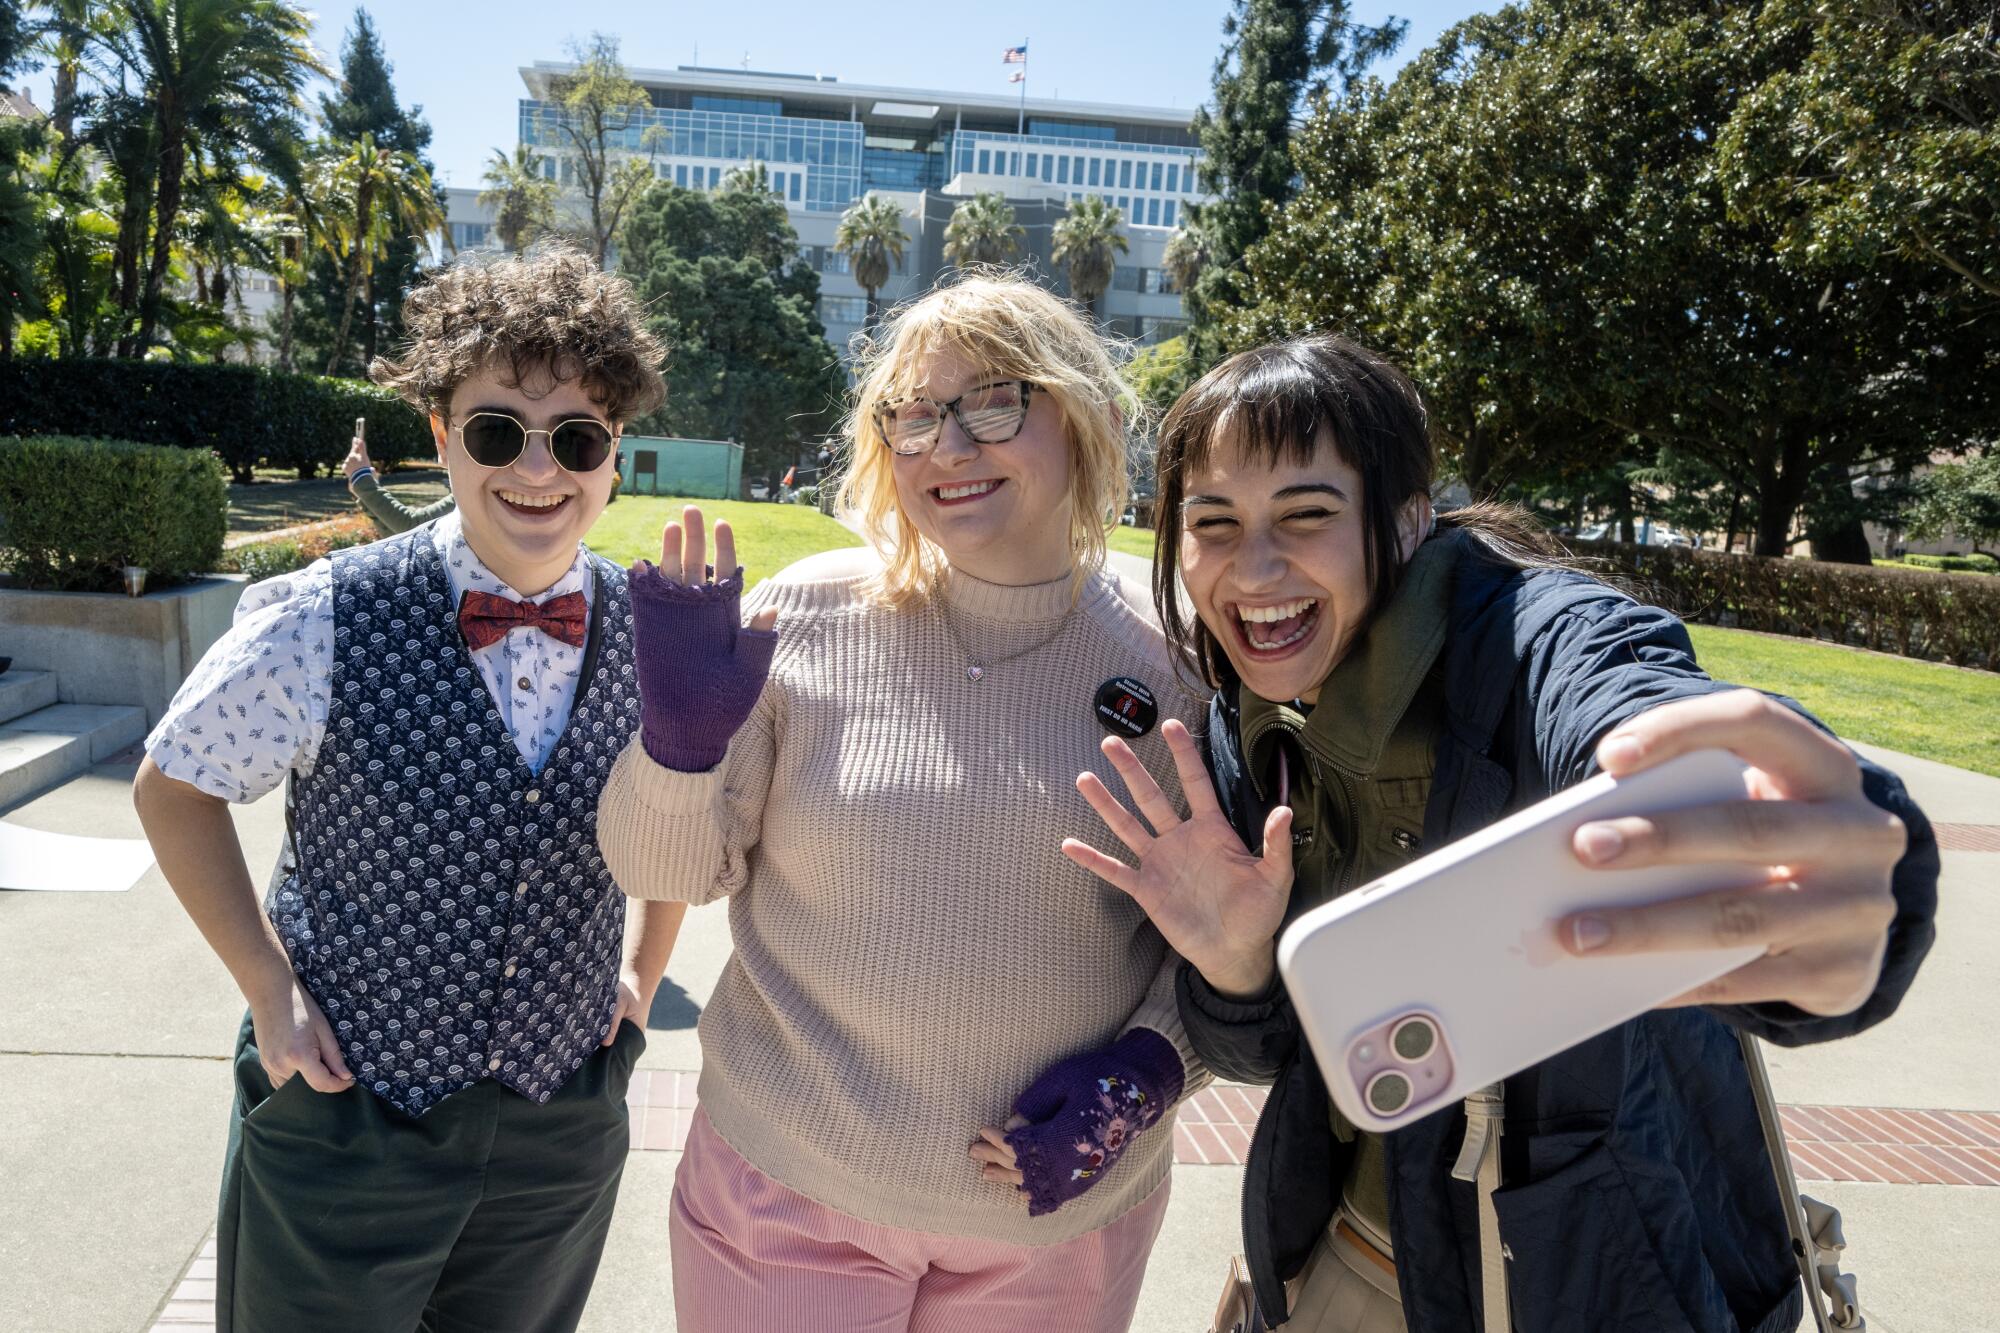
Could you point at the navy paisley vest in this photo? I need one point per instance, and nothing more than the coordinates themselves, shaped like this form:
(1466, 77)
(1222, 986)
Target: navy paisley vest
(444, 904)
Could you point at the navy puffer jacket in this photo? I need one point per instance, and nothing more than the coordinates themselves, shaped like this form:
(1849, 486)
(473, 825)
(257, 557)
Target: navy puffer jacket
(1638, 1194)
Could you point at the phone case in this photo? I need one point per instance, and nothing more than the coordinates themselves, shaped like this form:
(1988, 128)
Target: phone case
(1447, 974)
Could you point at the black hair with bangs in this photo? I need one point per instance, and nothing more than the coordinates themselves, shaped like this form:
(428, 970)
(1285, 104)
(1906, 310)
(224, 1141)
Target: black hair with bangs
(1271, 404)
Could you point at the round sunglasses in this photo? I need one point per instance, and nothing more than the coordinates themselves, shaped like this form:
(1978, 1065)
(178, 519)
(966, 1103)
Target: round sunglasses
(494, 439)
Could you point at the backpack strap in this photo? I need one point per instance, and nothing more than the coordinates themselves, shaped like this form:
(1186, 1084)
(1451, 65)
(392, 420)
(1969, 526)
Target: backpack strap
(1816, 1236)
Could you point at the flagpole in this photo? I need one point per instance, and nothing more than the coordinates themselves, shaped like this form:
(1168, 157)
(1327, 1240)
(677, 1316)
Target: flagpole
(1021, 120)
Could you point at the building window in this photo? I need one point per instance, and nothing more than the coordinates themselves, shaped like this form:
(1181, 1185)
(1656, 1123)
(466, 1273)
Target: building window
(1014, 165)
(681, 174)
(1167, 216)
(1126, 278)
(1048, 165)
(1173, 178)
(1158, 170)
(1093, 170)
(1062, 171)
(792, 185)
(843, 309)
(1125, 174)
(1076, 170)
(1034, 167)
(985, 161)
(714, 178)
(1152, 212)
(1124, 205)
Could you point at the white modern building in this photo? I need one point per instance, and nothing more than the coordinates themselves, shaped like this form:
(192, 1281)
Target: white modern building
(826, 144)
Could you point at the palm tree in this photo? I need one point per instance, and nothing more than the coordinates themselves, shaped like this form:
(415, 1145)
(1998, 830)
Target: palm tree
(229, 73)
(61, 37)
(304, 223)
(391, 195)
(79, 259)
(1187, 254)
(523, 202)
(871, 235)
(982, 231)
(1087, 242)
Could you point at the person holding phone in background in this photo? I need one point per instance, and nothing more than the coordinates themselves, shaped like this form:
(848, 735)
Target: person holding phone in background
(1387, 681)
(389, 513)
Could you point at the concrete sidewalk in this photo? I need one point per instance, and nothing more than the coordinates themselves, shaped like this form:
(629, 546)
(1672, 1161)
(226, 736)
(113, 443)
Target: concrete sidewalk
(116, 1024)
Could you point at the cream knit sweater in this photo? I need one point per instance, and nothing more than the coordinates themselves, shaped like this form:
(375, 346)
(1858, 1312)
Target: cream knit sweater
(912, 948)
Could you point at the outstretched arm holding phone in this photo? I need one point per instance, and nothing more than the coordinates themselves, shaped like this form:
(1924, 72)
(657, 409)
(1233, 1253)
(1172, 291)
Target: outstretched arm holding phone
(389, 513)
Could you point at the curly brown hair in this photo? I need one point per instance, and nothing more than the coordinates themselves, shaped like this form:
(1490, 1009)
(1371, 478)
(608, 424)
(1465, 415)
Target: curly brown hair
(552, 311)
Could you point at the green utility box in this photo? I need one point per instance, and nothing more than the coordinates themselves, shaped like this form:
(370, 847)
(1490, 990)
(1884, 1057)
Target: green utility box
(660, 465)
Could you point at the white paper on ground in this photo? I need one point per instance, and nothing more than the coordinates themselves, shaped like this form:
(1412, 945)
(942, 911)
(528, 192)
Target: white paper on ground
(35, 861)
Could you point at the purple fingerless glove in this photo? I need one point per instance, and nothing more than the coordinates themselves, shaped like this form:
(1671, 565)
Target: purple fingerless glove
(700, 671)
(1085, 1110)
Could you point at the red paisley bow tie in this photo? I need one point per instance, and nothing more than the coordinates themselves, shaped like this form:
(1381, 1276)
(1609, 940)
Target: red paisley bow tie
(484, 618)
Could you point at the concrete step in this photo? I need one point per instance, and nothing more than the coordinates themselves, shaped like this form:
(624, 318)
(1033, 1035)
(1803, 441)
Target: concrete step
(55, 743)
(22, 692)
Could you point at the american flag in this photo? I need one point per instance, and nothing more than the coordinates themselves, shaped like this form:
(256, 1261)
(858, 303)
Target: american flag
(1016, 55)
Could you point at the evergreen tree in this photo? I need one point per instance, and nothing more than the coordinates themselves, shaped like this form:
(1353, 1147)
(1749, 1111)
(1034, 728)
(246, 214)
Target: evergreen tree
(720, 276)
(365, 104)
(1281, 55)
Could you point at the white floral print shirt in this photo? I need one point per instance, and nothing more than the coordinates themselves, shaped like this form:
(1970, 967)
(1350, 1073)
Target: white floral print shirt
(255, 707)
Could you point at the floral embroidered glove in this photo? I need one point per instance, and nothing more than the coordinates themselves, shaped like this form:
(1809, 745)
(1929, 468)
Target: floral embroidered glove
(1085, 1110)
(700, 671)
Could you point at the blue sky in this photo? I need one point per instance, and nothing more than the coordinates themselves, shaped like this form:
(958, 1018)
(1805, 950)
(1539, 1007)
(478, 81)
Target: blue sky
(461, 62)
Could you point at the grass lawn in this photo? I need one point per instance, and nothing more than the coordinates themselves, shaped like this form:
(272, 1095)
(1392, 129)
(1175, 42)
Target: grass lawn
(1132, 541)
(1922, 708)
(768, 536)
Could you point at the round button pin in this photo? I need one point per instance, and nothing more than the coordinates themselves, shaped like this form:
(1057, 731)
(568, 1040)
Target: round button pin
(1125, 707)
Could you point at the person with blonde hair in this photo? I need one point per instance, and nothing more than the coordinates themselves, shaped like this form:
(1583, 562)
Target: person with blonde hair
(873, 785)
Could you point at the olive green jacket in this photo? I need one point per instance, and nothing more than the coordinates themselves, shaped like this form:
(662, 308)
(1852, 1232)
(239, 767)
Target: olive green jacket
(391, 514)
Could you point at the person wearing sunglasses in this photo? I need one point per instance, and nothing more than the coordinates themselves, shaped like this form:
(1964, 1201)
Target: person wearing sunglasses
(446, 987)
(939, 1070)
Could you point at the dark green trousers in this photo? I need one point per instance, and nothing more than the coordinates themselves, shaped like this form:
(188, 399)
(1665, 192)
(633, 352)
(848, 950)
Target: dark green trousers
(486, 1215)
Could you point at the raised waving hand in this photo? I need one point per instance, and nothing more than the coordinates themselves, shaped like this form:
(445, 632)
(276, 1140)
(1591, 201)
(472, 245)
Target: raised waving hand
(1218, 904)
(700, 667)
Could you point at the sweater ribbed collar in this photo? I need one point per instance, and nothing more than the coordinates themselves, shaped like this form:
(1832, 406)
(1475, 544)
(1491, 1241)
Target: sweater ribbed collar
(974, 601)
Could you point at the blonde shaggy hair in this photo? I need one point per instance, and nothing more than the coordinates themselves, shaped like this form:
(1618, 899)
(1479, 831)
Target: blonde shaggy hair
(1010, 328)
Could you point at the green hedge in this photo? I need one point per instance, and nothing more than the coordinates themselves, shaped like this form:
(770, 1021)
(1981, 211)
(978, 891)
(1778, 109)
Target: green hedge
(251, 416)
(1956, 564)
(1910, 612)
(73, 512)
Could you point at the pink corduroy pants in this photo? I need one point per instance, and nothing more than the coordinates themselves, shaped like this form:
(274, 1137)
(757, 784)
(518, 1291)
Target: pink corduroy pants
(750, 1253)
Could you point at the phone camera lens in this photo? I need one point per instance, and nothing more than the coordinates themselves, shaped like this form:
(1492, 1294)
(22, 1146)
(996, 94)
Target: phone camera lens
(1388, 1093)
(1413, 1039)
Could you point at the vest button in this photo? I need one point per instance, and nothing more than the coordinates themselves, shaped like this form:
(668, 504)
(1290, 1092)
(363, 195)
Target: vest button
(494, 1063)
(533, 797)
(524, 683)
(511, 969)
(521, 888)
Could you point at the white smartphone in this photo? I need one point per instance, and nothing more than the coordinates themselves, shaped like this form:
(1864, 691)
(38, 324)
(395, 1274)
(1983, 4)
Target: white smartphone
(1446, 975)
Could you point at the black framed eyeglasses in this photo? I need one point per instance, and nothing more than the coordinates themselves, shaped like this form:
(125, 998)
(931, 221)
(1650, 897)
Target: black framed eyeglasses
(494, 439)
(989, 414)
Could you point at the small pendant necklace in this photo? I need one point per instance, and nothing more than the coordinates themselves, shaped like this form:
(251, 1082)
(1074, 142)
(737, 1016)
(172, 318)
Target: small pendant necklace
(974, 669)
